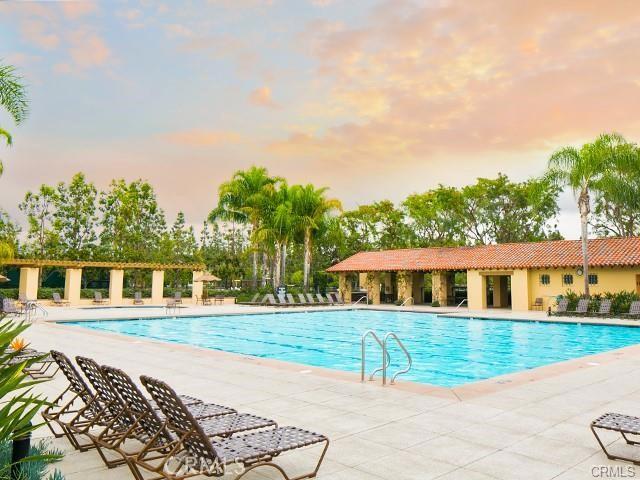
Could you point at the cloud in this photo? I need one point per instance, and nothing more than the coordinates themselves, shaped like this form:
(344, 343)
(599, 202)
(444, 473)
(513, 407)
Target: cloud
(74, 9)
(199, 137)
(261, 97)
(38, 33)
(86, 50)
(177, 30)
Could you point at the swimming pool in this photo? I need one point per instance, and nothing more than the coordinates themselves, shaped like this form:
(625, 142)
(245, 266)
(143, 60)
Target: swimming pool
(446, 351)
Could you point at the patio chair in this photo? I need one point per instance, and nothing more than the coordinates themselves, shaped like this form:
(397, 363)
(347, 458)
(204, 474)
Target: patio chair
(561, 309)
(9, 307)
(634, 310)
(581, 309)
(292, 300)
(253, 301)
(283, 302)
(312, 301)
(97, 298)
(153, 432)
(203, 300)
(303, 300)
(338, 298)
(59, 301)
(604, 309)
(177, 297)
(321, 299)
(171, 305)
(625, 425)
(137, 298)
(211, 456)
(218, 300)
(538, 304)
(270, 299)
(39, 363)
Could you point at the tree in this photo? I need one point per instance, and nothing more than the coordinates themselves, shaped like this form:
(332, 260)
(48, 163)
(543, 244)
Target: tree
(132, 222)
(376, 226)
(245, 199)
(74, 218)
(13, 97)
(310, 209)
(9, 231)
(587, 170)
(39, 208)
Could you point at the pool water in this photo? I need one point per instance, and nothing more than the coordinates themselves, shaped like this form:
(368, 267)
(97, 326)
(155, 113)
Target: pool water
(446, 351)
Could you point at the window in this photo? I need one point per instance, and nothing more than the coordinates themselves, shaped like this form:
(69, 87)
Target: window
(567, 279)
(545, 279)
(593, 279)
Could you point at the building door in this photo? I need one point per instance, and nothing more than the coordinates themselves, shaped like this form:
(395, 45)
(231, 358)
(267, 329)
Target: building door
(638, 284)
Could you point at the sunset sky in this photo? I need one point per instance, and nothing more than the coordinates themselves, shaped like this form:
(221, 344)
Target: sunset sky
(372, 99)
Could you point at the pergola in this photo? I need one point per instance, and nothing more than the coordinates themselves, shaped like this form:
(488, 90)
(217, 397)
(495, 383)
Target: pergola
(29, 269)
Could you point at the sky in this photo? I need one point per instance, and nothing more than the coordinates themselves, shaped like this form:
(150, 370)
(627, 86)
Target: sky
(373, 99)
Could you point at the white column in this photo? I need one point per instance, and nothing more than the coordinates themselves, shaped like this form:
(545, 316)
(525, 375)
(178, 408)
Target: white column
(28, 287)
(72, 285)
(197, 287)
(116, 281)
(157, 286)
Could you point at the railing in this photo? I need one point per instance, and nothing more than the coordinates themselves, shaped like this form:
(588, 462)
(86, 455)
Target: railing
(406, 300)
(362, 298)
(386, 357)
(460, 304)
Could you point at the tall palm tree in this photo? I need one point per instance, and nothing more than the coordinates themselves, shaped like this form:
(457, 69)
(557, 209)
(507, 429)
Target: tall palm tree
(585, 171)
(310, 209)
(244, 199)
(13, 98)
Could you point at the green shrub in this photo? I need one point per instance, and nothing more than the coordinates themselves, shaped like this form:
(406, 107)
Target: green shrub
(620, 301)
(435, 303)
(36, 469)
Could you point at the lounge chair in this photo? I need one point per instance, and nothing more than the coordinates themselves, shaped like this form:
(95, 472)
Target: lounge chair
(210, 456)
(137, 298)
(338, 298)
(538, 304)
(623, 424)
(153, 431)
(321, 299)
(9, 307)
(604, 309)
(120, 424)
(312, 301)
(561, 309)
(634, 310)
(59, 301)
(283, 302)
(303, 300)
(292, 300)
(39, 363)
(97, 298)
(270, 299)
(253, 301)
(581, 309)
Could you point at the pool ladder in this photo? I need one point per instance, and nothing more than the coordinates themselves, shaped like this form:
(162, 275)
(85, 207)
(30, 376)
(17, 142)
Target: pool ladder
(386, 358)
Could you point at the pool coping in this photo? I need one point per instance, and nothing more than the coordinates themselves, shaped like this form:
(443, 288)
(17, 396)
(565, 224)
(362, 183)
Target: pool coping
(464, 392)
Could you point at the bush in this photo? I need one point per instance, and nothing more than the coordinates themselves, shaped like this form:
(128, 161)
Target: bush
(435, 303)
(620, 301)
(36, 469)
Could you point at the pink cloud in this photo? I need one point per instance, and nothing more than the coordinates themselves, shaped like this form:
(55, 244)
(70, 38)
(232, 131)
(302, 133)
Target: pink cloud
(86, 50)
(75, 9)
(199, 137)
(261, 97)
(38, 32)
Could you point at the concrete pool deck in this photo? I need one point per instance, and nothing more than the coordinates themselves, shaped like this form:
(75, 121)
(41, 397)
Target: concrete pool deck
(534, 427)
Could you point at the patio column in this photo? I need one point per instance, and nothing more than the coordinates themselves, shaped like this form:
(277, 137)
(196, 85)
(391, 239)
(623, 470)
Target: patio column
(157, 286)
(72, 285)
(442, 286)
(520, 298)
(28, 287)
(418, 286)
(116, 280)
(197, 287)
(405, 285)
(344, 286)
(476, 290)
(373, 287)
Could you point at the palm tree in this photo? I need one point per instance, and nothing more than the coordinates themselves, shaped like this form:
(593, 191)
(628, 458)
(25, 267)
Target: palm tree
(13, 98)
(310, 208)
(588, 170)
(244, 199)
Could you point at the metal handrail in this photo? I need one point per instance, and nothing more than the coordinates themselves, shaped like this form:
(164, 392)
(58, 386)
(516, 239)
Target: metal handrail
(362, 298)
(406, 300)
(385, 351)
(386, 358)
(460, 304)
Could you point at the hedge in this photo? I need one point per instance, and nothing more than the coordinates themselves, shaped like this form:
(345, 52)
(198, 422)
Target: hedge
(620, 301)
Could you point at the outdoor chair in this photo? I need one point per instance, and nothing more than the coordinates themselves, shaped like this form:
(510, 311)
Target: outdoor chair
(538, 304)
(303, 300)
(137, 298)
(311, 300)
(9, 307)
(203, 300)
(581, 309)
(292, 300)
(561, 309)
(97, 298)
(321, 299)
(338, 298)
(625, 425)
(604, 309)
(59, 301)
(40, 362)
(218, 299)
(177, 297)
(283, 302)
(253, 301)
(634, 310)
(150, 424)
(170, 306)
(210, 457)
(270, 299)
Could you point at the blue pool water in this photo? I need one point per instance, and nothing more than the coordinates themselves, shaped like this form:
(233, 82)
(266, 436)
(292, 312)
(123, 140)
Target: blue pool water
(446, 351)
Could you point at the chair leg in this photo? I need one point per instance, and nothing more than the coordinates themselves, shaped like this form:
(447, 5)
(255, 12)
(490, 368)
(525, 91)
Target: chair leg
(611, 456)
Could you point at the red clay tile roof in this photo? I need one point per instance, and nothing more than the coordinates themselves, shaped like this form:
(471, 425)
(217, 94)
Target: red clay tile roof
(603, 252)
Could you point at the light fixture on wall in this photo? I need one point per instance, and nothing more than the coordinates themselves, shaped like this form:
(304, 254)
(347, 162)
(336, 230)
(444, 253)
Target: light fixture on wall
(579, 271)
